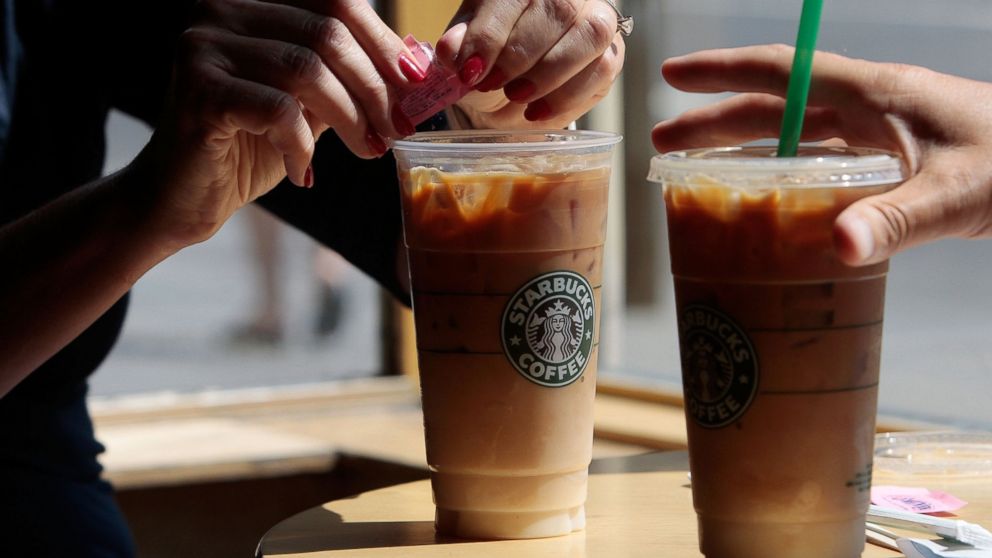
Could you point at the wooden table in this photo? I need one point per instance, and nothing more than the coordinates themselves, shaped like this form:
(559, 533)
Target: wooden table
(637, 506)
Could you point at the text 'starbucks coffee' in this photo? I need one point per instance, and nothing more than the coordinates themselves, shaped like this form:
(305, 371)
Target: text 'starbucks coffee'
(780, 345)
(547, 328)
(719, 364)
(504, 233)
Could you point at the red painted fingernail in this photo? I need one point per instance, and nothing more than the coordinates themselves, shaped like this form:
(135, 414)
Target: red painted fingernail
(308, 177)
(375, 143)
(519, 90)
(401, 122)
(410, 69)
(538, 110)
(472, 69)
(492, 82)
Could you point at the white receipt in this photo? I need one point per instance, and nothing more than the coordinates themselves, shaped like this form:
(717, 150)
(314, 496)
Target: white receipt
(918, 548)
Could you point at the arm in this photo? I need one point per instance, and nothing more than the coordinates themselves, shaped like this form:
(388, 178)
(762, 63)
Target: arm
(940, 124)
(67, 263)
(254, 85)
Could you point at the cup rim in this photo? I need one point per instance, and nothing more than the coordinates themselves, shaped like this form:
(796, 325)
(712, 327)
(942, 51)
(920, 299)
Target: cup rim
(757, 166)
(501, 141)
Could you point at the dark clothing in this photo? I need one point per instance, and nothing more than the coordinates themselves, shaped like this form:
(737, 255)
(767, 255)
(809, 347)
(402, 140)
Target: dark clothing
(63, 65)
(75, 64)
(54, 503)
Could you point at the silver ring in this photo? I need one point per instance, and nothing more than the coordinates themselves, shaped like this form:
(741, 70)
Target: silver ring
(625, 24)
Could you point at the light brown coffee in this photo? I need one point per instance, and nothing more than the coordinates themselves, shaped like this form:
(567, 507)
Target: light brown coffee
(506, 269)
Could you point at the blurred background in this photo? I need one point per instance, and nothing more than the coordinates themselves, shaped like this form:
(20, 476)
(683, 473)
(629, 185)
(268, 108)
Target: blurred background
(259, 305)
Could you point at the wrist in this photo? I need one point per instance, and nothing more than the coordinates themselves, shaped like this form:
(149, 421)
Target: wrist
(133, 237)
(178, 199)
(140, 215)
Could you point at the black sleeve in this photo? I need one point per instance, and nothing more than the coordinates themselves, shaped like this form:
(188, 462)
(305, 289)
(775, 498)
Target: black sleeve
(353, 208)
(139, 45)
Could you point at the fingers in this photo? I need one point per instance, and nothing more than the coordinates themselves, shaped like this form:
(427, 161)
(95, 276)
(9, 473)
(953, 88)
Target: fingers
(766, 68)
(220, 105)
(487, 26)
(368, 58)
(388, 53)
(756, 69)
(317, 25)
(740, 119)
(951, 197)
(301, 73)
(539, 28)
(886, 104)
(936, 122)
(580, 93)
(590, 35)
(339, 59)
(837, 107)
(557, 57)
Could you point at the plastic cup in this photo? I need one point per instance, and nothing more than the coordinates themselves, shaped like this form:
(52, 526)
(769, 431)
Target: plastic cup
(504, 233)
(780, 345)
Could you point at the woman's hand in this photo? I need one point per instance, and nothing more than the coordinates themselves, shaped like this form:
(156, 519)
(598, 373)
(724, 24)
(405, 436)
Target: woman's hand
(255, 84)
(940, 124)
(532, 63)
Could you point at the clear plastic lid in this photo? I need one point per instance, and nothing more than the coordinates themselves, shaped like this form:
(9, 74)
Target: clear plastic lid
(759, 167)
(519, 152)
(496, 142)
(935, 453)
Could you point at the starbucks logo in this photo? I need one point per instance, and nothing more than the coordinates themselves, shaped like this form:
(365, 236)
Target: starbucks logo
(547, 328)
(719, 367)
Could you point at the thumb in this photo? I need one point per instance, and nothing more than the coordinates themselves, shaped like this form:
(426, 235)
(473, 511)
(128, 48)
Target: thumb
(932, 205)
(450, 44)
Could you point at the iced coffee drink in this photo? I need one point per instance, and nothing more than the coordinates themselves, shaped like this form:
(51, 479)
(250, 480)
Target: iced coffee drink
(505, 240)
(780, 345)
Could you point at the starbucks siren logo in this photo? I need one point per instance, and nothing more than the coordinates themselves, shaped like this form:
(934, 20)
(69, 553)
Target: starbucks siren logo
(547, 328)
(719, 367)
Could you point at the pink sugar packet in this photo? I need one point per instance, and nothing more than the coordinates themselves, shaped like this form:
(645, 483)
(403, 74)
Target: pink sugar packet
(916, 500)
(441, 87)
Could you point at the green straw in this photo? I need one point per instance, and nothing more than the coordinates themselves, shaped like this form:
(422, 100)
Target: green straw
(802, 69)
